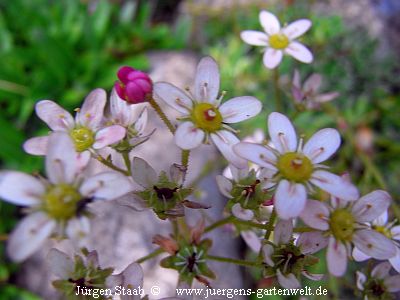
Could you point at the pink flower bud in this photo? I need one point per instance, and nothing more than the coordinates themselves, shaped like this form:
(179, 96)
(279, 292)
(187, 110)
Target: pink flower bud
(133, 86)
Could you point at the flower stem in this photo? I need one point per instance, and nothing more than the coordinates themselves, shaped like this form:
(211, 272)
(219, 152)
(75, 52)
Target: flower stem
(111, 165)
(162, 115)
(278, 97)
(127, 161)
(219, 223)
(234, 261)
(270, 225)
(185, 158)
(153, 254)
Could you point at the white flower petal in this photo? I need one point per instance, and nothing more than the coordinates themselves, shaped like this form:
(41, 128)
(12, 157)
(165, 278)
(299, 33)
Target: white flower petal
(61, 164)
(326, 97)
(241, 213)
(78, 230)
(224, 141)
(143, 173)
(177, 173)
(299, 52)
(257, 154)
(206, 84)
(283, 232)
(371, 206)
(36, 145)
(297, 28)
(282, 132)
(133, 276)
(290, 199)
(392, 283)
(188, 136)
(29, 235)
(269, 22)
(56, 117)
(374, 244)
(314, 277)
(106, 186)
(358, 255)
(315, 215)
(335, 185)
(312, 242)
(60, 264)
(381, 270)
(272, 58)
(322, 145)
(108, 136)
(224, 186)
(395, 231)
(361, 279)
(382, 219)
(173, 96)
(91, 113)
(20, 188)
(239, 109)
(252, 240)
(238, 174)
(395, 260)
(255, 38)
(82, 160)
(141, 122)
(289, 281)
(122, 113)
(336, 257)
(268, 250)
(130, 200)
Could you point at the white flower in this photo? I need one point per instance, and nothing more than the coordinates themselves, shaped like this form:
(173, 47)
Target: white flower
(342, 225)
(279, 41)
(86, 130)
(295, 168)
(203, 115)
(379, 284)
(56, 204)
(391, 231)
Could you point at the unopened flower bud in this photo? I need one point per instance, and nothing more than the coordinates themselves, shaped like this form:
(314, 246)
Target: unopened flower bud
(133, 86)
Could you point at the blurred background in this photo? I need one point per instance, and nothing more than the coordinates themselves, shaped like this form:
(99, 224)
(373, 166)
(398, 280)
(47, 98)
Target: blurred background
(61, 50)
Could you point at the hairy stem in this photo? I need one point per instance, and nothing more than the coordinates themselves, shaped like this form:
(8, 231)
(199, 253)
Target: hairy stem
(278, 96)
(219, 223)
(112, 166)
(162, 115)
(153, 254)
(270, 225)
(234, 261)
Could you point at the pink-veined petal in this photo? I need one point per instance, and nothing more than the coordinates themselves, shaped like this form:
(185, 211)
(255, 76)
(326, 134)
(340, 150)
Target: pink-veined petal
(381, 270)
(297, 28)
(240, 108)
(61, 164)
(224, 186)
(374, 244)
(272, 58)
(335, 185)
(143, 173)
(173, 96)
(108, 136)
(255, 38)
(188, 136)
(252, 240)
(282, 132)
(269, 22)
(392, 283)
(242, 213)
(106, 186)
(322, 145)
(336, 257)
(371, 206)
(257, 154)
(92, 110)
(29, 235)
(299, 52)
(206, 84)
(316, 215)
(224, 141)
(283, 232)
(60, 263)
(326, 97)
(290, 199)
(36, 145)
(312, 84)
(20, 188)
(312, 242)
(56, 117)
(289, 281)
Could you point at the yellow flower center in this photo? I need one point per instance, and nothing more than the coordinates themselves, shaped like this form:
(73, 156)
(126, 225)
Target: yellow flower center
(60, 201)
(205, 116)
(83, 138)
(295, 166)
(342, 224)
(382, 229)
(278, 41)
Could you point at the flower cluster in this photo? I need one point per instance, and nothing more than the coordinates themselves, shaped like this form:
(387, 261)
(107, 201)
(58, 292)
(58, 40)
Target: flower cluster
(277, 188)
